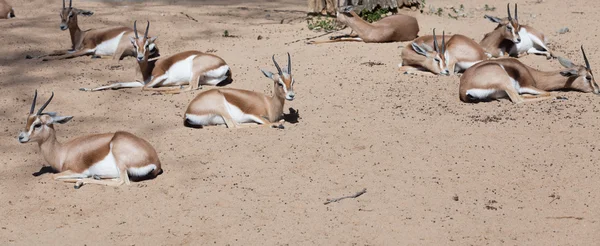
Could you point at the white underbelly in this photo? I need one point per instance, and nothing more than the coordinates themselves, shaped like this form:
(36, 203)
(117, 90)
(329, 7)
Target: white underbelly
(526, 42)
(109, 47)
(106, 167)
(205, 120)
(462, 66)
(239, 116)
(180, 73)
(486, 94)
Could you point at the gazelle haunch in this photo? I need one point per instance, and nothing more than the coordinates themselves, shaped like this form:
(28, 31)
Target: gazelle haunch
(508, 77)
(191, 68)
(6, 11)
(395, 28)
(456, 54)
(110, 41)
(233, 107)
(107, 159)
(512, 38)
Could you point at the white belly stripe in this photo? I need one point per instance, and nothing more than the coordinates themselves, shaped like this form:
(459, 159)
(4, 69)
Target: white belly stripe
(109, 47)
(180, 73)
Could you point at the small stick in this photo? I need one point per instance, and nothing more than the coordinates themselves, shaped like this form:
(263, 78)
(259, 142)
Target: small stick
(342, 198)
(189, 17)
(313, 37)
(565, 217)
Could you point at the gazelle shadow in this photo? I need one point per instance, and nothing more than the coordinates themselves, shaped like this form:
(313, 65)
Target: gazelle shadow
(292, 117)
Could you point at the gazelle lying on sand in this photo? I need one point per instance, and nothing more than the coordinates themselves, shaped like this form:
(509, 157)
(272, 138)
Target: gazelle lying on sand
(512, 38)
(456, 54)
(233, 107)
(6, 11)
(109, 158)
(495, 79)
(395, 28)
(186, 68)
(110, 41)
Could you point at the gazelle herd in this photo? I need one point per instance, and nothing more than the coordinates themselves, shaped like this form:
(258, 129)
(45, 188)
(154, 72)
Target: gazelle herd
(112, 158)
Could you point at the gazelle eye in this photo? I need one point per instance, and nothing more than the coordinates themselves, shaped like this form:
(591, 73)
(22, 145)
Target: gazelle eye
(38, 125)
(588, 77)
(509, 27)
(436, 59)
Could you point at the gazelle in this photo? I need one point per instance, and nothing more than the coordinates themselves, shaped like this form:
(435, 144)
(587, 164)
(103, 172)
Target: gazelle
(395, 28)
(108, 158)
(233, 107)
(456, 54)
(495, 79)
(525, 39)
(186, 68)
(110, 41)
(6, 11)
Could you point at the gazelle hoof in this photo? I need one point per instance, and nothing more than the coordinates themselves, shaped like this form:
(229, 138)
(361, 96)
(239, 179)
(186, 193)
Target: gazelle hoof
(96, 177)
(78, 185)
(561, 98)
(280, 126)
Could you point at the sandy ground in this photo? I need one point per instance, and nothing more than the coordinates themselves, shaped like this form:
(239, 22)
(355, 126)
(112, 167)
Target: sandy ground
(437, 171)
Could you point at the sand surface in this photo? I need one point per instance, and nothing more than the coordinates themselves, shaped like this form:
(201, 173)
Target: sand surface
(437, 171)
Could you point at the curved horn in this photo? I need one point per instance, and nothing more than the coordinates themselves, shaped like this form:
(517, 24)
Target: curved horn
(587, 63)
(70, 3)
(435, 42)
(516, 15)
(33, 104)
(63, 4)
(147, 27)
(508, 10)
(135, 29)
(443, 42)
(277, 66)
(45, 104)
(289, 64)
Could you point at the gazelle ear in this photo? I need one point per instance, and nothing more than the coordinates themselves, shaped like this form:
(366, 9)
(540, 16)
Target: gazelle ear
(420, 50)
(152, 39)
(267, 74)
(132, 39)
(60, 119)
(565, 62)
(493, 18)
(569, 73)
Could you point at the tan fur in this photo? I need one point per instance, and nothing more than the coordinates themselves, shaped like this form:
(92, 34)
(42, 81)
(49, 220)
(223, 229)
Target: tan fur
(498, 42)
(85, 42)
(411, 60)
(5, 10)
(462, 49)
(496, 74)
(76, 156)
(269, 109)
(395, 28)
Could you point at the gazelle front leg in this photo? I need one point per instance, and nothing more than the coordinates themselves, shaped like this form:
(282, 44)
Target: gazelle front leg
(68, 175)
(123, 179)
(70, 55)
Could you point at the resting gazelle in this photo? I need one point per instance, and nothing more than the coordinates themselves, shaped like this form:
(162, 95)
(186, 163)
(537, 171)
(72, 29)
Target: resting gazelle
(107, 159)
(508, 77)
(395, 28)
(168, 74)
(512, 38)
(456, 54)
(110, 41)
(234, 107)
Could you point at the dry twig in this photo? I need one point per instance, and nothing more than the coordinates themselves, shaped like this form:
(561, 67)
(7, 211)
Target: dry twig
(342, 198)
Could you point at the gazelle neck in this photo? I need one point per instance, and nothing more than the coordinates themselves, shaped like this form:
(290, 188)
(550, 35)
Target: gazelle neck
(146, 67)
(277, 102)
(549, 81)
(51, 150)
(491, 41)
(76, 34)
(356, 23)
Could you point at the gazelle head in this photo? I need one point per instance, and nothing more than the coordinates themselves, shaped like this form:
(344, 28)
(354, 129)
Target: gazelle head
(344, 14)
(581, 77)
(144, 47)
(40, 126)
(510, 26)
(435, 61)
(68, 16)
(284, 82)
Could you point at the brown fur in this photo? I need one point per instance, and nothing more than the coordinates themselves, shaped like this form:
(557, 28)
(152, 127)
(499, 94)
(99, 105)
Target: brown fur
(490, 75)
(411, 60)
(498, 42)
